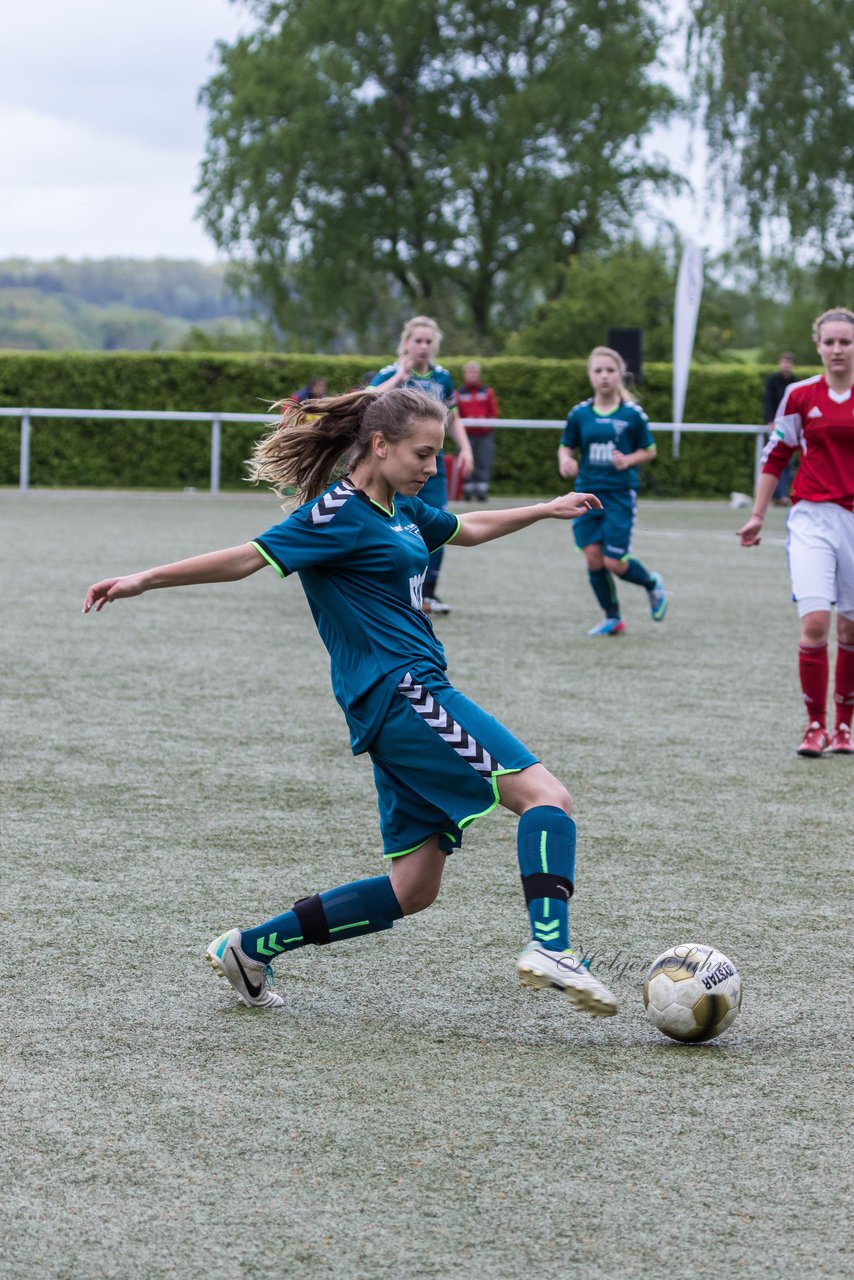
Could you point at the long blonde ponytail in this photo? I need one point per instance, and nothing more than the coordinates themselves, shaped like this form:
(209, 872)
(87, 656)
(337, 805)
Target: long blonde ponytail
(311, 437)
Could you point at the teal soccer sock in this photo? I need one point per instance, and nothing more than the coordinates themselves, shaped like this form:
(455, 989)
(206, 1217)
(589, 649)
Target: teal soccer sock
(546, 847)
(364, 906)
(605, 592)
(639, 574)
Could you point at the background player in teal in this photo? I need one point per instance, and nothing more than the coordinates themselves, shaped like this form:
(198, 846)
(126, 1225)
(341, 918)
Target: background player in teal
(419, 342)
(611, 434)
(360, 547)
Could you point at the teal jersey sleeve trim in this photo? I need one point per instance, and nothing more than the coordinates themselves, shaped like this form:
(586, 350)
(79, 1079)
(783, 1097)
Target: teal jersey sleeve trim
(279, 570)
(451, 536)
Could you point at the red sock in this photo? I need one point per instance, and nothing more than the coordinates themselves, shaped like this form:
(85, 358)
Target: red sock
(844, 684)
(815, 671)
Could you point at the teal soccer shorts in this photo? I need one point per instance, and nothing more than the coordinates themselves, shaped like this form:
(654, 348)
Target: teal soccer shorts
(436, 762)
(612, 526)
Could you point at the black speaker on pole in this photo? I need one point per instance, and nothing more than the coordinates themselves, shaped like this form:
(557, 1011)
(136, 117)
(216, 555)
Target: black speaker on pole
(629, 344)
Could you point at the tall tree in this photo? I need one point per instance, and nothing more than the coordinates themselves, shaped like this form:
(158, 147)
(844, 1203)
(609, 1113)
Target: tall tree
(775, 82)
(365, 160)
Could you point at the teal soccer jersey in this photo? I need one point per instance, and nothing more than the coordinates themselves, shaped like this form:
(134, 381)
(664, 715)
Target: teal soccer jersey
(597, 435)
(439, 383)
(436, 382)
(362, 569)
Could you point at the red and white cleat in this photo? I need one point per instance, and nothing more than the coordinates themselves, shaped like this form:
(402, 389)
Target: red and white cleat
(840, 743)
(815, 740)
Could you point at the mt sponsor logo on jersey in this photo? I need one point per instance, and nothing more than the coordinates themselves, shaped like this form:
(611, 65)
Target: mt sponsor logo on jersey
(600, 454)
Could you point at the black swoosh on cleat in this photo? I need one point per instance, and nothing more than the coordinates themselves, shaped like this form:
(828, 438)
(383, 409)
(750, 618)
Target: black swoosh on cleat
(254, 989)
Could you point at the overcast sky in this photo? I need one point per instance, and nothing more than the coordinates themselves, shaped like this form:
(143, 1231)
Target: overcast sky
(100, 135)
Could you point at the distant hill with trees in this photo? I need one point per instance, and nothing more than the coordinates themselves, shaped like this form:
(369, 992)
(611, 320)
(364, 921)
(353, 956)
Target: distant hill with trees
(114, 303)
(751, 310)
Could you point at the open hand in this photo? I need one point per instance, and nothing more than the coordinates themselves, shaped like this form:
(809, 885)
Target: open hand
(570, 505)
(110, 589)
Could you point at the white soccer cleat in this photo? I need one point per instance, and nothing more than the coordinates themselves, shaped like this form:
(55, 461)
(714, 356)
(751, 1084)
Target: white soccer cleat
(539, 968)
(251, 979)
(432, 604)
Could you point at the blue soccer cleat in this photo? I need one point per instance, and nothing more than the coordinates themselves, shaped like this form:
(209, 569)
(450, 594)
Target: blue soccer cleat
(657, 599)
(608, 627)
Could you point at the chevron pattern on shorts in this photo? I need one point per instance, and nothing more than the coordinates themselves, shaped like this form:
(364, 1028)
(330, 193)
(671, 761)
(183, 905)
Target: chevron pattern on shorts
(326, 508)
(447, 728)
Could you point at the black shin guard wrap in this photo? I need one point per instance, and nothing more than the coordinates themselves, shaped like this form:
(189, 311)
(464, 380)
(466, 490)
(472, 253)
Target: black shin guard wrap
(543, 885)
(312, 920)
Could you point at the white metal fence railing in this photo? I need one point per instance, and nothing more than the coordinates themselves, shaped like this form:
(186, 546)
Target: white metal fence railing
(27, 416)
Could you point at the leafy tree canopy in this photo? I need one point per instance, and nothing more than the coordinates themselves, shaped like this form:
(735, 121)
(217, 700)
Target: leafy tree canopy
(775, 82)
(772, 305)
(367, 160)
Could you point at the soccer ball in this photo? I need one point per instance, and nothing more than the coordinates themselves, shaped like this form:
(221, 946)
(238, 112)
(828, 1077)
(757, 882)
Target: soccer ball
(692, 992)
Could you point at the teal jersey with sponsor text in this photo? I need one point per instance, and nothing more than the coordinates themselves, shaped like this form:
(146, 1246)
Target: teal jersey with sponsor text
(596, 435)
(362, 569)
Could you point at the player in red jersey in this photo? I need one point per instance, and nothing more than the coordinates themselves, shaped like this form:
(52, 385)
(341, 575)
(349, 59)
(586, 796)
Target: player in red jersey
(474, 400)
(817, 417)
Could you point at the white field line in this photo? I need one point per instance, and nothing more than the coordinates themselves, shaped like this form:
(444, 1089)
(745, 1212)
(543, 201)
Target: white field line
(706, 534)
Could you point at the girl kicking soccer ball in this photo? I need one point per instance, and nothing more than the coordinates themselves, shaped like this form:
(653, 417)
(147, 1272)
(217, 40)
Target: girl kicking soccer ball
(360, 546)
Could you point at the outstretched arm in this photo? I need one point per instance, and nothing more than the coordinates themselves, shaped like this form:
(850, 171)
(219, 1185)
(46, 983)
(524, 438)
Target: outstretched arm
(482, 526)
(215, 566)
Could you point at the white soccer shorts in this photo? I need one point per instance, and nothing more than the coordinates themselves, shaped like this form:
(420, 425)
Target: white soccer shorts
(820, 547)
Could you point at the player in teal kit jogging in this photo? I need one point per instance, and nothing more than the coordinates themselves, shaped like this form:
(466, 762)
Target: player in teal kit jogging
(419, 341)
(612, 437)
(360, 547)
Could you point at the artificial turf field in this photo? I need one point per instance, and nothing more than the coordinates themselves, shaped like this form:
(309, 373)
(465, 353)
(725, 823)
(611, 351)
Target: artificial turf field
(176, 765)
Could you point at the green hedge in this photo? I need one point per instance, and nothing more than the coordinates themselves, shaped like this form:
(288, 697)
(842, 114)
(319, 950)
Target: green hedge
(173, 455)
(709, 465)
